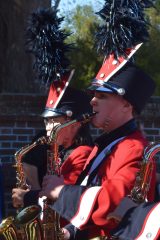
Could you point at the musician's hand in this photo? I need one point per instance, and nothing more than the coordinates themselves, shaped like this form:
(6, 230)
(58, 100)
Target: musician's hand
(51, 186)
(18, 196)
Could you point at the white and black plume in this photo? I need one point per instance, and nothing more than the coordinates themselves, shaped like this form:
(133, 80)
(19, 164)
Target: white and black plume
(46, 41)
(125, 26)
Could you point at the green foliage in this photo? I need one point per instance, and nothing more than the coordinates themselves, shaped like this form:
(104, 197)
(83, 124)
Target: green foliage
(148, 57)
(82, 22)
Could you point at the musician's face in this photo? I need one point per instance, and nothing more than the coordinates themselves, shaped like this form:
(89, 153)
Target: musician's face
(50, 123)
(66, 138)
(112, 111)
(67, 135)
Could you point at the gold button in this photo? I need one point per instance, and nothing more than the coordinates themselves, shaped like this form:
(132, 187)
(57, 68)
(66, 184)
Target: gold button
(51, 102)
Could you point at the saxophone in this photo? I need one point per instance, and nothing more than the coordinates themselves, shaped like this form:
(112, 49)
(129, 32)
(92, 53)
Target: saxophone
(19, 227)
(143, 178)
(27, 225)
(20, 176)
(51, 220)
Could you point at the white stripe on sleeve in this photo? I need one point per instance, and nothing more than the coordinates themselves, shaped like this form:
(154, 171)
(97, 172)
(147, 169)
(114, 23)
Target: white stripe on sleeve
(86, 205)
(151, 226)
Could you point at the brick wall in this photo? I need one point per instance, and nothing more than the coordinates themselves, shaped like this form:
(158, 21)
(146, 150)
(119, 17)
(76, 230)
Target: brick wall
(20, 121)
(150, 119)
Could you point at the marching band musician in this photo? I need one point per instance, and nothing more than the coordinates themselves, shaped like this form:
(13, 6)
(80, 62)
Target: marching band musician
(121, 90)
(111, 168)
(47, 42)
(73, 152)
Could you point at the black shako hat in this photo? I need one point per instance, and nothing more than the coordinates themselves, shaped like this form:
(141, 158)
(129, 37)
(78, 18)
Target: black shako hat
(124, 30)
(73, 103)
(132, 83)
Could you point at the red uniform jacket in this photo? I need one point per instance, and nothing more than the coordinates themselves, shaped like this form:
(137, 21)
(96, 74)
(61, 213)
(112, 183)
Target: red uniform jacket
(74, 164)
(90, 207)
(70, 169)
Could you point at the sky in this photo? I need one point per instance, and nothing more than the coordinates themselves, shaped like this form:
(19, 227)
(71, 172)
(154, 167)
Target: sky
(67, 5)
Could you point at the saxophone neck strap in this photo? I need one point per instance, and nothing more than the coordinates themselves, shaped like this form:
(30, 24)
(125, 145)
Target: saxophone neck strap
(99, 159)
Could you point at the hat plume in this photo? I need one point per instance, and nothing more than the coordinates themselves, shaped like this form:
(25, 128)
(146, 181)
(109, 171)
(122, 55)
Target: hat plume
(125, 26)
(46, 41)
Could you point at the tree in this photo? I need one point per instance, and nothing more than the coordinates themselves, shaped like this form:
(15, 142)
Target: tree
(82, 22)
(148, 57)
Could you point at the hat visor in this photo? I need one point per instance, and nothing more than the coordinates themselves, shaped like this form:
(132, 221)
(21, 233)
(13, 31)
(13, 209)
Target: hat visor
(51, 114)
(92, 88)
(100, 89)
(104, 89)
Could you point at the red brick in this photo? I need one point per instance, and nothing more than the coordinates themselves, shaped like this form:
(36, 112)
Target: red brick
(7, 151)
(7, 138)
(5, 145)
(6, 131)
(18, 145)
(151, 131)
(23, 131)
(22, 138)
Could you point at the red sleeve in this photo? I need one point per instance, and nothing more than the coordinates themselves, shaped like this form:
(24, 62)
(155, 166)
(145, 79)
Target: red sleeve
(118, 179)
(74, 164)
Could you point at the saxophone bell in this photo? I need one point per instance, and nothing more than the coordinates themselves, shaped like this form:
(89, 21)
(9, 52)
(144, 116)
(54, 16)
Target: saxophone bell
(8, 230)
(27, 215)
(29, 224)
(23, 226)
(6, 223)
